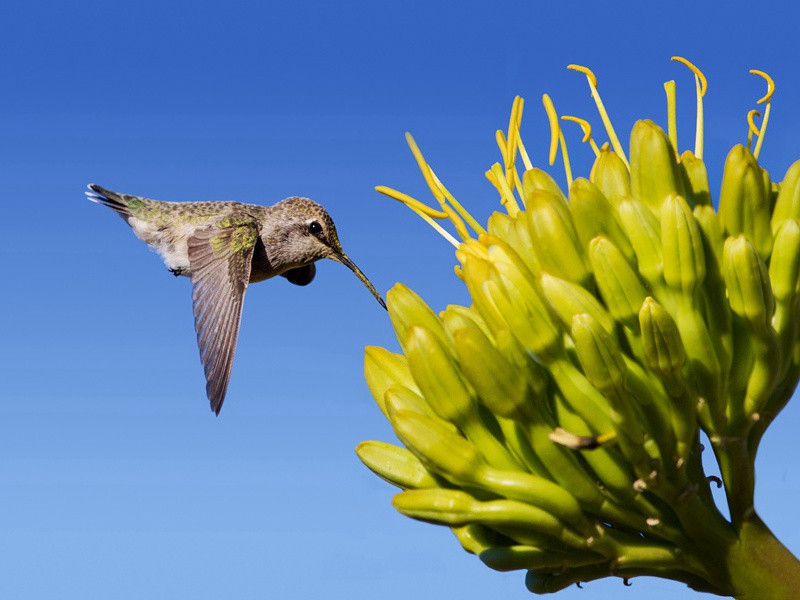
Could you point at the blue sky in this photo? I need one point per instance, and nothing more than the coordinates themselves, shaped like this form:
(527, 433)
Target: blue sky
(116, 480)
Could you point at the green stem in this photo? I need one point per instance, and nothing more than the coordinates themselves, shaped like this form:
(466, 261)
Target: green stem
(759, 566)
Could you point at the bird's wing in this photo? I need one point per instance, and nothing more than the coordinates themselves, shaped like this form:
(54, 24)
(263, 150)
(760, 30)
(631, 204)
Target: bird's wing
(220, 259)
(301, 275)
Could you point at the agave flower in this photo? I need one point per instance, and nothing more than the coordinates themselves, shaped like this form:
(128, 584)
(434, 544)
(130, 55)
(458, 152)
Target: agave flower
(554, 424)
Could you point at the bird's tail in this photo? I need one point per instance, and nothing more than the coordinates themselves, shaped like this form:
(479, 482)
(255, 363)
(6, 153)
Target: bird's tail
(119, 202)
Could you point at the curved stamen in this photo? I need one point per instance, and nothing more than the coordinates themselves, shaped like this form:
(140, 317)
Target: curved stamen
(768, 99)
(752, 130)
(412, 203)
(427, 213)
(612, 136)
(587, 131)
(701, 84)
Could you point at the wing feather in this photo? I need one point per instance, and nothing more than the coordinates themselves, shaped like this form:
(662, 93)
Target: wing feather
(220, 259)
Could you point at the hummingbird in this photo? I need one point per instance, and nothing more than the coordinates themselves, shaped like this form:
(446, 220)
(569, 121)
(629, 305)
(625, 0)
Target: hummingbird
(224, 246)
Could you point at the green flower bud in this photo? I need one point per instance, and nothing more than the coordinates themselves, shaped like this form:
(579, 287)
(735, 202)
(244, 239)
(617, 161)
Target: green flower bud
(709, 224)
(383, 369)
(744, 200)
(399, 398)
(458, 460)
(594, 215)
(537, 180)
(787, 205)
(662, 344)
(406, 308)
(550, 224)
(682, 243)
(437, 375)
(654, 168)
(513, 558)
(454, 508)
(644, 232)
(456, 317)
(396, 465)
(440, 449)
(749, 290)
(622, 290)
(696, 179)
(493, 377)
(611, 176)
(784, 264)
(525, 315)
(599, 354)
(567, 299)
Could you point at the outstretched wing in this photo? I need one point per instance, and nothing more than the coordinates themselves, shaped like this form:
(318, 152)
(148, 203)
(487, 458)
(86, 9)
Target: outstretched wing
(220, 259)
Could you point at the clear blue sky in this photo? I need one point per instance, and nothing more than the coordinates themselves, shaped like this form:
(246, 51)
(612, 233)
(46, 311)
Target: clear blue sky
(116, 481)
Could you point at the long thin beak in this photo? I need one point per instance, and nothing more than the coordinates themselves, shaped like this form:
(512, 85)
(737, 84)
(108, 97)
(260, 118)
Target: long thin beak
(345, 260)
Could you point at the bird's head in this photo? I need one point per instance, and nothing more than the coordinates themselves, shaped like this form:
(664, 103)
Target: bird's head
(311, 235)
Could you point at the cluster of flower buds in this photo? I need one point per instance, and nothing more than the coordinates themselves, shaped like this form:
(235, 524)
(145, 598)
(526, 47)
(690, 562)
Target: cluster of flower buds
(554, 423)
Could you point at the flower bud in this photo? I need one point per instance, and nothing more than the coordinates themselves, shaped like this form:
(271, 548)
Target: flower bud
(696, 179)
(682, 244)
(437, 375)
(744, 201)
(396, 465)
(787, 205)
(550, 225)
(599, 354)
(622, 290)
(644, 232)
(383, 369)
(784, 264)
(749, 290)
(654, 168)
(594, 215)
(496, 382)
(537, 180)
(611, 176)
(406, 308)
(567, 299)
(661, 342)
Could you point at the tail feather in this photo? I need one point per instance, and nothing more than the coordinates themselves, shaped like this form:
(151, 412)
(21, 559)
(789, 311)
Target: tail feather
(108, 198)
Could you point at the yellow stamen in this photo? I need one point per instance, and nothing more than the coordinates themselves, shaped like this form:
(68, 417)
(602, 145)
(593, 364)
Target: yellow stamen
(556, 137)
(459, 224)
(698, 73)
(672, 116)
(497, 177)
(612, 136)
(511, 175)
(426, 212)
(768, 99)
(701, 84)
(439, 191)
(770, 85)
(500, 138)
(436, 226)
(471, 221)
(412, 203)
(587, 131)
(524, 154)
(586, 71)
(423, 166)
(752, 130)
(514, 123)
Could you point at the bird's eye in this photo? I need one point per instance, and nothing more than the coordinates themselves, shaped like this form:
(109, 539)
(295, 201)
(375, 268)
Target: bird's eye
(314, 228)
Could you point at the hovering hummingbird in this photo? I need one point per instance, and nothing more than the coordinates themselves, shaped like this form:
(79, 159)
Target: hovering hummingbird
(223, 246)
